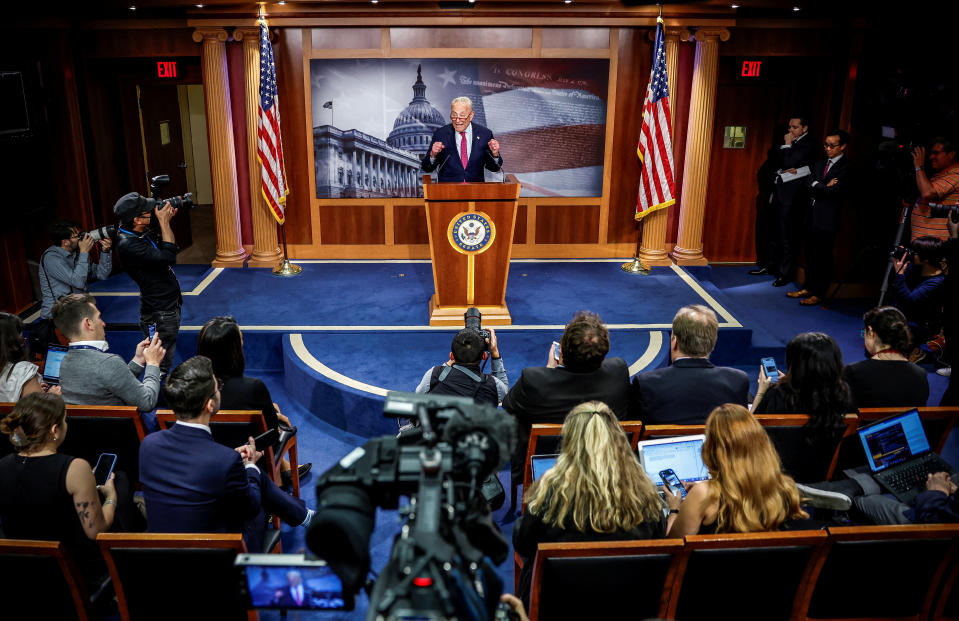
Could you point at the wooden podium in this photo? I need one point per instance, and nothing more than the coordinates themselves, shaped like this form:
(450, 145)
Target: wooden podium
(471, 239)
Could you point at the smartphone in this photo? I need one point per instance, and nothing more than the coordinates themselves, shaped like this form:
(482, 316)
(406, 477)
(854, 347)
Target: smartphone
(555, 351)
(672, 481)
(769, 368)
(152, 329)
(104, 467)
(266, 439)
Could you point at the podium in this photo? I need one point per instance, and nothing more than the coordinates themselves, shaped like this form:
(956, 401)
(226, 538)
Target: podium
(471, 239)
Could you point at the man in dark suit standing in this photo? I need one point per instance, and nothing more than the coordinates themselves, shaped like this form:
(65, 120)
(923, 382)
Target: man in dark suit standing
(797, 154)
(461, 150)
(828, 188)
(191, 484)
(579, 372)
(688, 390)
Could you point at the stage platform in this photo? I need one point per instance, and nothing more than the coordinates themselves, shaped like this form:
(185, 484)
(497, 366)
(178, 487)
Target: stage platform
(346, 332)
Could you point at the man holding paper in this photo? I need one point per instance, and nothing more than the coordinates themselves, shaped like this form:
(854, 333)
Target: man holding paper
(789, 198)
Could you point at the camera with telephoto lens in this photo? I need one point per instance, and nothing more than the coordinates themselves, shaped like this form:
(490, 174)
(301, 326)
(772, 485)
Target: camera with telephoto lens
(442, 564)
(899, 251)
(937, 210)
(177, 202)
(473, 319)
(101, 233)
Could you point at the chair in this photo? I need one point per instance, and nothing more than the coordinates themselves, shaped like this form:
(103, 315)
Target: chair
(166, 576)
(881, 572)
(654, 432)
(790, 436)
(947, 599)
(233, 428)
(96, 429)
(39, 579)
(749, 575)
(610, 580)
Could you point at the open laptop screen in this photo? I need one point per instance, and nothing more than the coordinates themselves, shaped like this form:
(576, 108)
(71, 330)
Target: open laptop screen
(683, 454)
(894, 440)
(542, 463)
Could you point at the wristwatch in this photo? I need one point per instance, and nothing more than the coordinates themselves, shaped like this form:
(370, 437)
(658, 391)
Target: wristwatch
(672, 511)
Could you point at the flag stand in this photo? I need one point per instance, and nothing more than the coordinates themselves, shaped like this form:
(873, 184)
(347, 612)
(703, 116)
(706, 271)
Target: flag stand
(286, 268)
(636, 266)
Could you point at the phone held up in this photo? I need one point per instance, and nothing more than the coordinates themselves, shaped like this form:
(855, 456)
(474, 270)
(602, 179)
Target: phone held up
(104, 467)
(672, 481)
(152, 328)
(769, 368)
(555, 351)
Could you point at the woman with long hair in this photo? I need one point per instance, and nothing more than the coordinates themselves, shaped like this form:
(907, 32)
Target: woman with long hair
(18, 377)
(221, 341)
(596, 491)
(887, 378)
(747, 490)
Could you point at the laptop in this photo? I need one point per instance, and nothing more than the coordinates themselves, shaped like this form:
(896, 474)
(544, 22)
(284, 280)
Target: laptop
(899, 455)
(542, 463)
(684, 454)
(51, 367)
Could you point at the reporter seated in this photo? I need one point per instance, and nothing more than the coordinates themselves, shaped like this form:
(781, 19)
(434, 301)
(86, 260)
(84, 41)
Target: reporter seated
(18, 376)
(597, 491)
(53, 497)
(747, 490)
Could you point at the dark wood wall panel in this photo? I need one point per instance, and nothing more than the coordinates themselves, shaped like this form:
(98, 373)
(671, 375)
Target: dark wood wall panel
(346, 38)
(296, 143)
(632, 69)
(409, 225)
(589, 38)
(351, 224)
(149, 42)
(781, 42)
(519, 231)
(567, 224)
(461, 37)
(16, 294)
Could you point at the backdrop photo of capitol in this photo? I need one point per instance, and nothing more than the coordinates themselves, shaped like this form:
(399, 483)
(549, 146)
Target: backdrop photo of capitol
(373, 119)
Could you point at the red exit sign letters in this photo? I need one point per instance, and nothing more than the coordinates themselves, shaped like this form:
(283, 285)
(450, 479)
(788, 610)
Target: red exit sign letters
(167, 69)
(751, 68)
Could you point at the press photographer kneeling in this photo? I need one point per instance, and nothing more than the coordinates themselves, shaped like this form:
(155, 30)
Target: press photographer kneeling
(919, 289)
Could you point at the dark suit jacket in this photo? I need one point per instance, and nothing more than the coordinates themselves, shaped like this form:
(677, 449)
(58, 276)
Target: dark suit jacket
(545, 395)
(450, 168)
(687, 391)
(191, 484)
(827, 201)
(802, 153)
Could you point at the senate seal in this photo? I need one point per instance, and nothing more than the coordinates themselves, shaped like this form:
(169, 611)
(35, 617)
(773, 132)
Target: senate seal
(471, 232)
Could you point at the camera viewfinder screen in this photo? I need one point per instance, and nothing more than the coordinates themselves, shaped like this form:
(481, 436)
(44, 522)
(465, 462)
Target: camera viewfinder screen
(308, 588)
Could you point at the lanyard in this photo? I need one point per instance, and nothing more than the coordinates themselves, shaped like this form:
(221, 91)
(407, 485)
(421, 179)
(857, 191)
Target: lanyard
(85, 347)
(138, 236)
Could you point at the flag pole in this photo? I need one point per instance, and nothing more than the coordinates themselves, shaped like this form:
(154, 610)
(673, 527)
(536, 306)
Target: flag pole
(636, 266)
(285, 268)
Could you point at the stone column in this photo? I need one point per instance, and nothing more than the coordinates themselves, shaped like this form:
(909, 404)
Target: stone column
(219, 120)
(266, 249)
(652, 249)
(699, 141)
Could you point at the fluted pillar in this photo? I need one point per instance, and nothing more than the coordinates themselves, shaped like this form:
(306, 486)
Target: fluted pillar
(699, 140)
(266, 249)
(219, 120)
(652, 248)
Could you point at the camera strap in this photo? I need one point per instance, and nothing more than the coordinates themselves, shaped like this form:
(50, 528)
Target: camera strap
(473, 376)
(46, 276)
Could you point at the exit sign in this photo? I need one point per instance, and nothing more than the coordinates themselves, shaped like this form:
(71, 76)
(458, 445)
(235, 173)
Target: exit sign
(751, 68)
(166, 69)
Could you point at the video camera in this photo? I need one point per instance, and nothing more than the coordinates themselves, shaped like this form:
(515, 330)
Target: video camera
(178, 202)
(442, 562)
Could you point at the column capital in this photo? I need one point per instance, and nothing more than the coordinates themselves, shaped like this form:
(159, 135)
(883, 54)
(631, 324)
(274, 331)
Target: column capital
(247, 32)
(674, 34)
(210, 34)
(709, 33)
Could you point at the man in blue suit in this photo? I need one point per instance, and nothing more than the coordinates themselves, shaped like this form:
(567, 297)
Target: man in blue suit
(461, 150)
(191, 484)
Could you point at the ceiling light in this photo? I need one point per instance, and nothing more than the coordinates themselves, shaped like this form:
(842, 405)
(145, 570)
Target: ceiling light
(132, 8)
(567, 1)
(282, 2)
(199, 6)
(734, 6)
(795, 8)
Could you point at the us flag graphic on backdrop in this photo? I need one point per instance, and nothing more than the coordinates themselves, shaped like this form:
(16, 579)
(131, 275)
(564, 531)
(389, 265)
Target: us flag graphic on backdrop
(655, 147)
(269, 147)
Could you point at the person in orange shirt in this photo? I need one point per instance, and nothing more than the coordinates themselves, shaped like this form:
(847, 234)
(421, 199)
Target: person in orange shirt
(942, 188)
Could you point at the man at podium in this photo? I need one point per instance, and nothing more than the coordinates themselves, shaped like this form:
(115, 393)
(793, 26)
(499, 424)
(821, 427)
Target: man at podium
(462, 149)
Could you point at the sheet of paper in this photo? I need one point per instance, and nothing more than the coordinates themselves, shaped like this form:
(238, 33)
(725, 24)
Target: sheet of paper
(799, 174)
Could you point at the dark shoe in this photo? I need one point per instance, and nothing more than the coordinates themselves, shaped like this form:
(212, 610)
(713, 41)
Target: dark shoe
(303, 469)
(802, 293)
(780, 282)
(759, 271)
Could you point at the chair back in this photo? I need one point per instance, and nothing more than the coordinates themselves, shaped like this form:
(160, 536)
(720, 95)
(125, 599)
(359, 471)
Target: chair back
(38, 579)
(762, 571)
(610, 580)
(882, 572)
(96, 429)
(232, 428)
(143, 567)
(807, 454)
(937, 422)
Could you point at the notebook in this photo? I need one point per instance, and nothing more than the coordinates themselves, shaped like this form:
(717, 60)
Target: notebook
(51, 367)
(542, 463)
(899, 455)
(684, 454)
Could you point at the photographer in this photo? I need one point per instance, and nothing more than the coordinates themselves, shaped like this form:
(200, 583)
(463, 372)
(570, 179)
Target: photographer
(150, 264)
(919, 287)
(65, 267)
(942, 188)
(462, 376)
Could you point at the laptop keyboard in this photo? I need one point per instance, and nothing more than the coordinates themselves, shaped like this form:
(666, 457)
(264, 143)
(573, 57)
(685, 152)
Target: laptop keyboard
(905, 477)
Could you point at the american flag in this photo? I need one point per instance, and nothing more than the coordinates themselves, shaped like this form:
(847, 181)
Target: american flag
(655, 148)
(269, 146)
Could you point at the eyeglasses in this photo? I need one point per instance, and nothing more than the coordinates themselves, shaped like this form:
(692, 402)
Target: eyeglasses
(460, 117)
(831, 146)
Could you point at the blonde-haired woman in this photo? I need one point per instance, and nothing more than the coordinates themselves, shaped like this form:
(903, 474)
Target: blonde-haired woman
(596, 491)
(748, 491)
